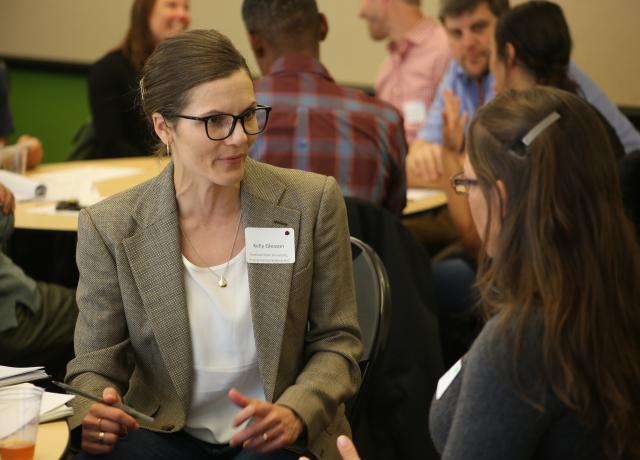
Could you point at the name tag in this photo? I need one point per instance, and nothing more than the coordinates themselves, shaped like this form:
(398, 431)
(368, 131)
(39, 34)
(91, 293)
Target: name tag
(414, 111)
(269, 245)
(447, 378)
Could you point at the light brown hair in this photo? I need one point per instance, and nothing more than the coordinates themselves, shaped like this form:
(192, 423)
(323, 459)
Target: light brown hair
(183, 62)
(139, 43)
(565, 252)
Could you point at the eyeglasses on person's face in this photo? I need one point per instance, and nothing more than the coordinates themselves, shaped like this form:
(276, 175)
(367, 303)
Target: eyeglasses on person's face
(462, 185)
(221, 125)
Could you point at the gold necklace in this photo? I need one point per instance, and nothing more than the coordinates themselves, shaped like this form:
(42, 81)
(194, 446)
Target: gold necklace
(222, 282)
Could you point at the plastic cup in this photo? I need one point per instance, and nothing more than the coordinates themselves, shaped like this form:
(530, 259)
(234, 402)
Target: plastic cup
(14, 158)
(20, 409)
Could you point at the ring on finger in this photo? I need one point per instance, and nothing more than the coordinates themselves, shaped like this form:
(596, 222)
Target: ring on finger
(101, 437)
(265, 436)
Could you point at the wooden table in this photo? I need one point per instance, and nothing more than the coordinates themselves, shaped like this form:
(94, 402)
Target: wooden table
(150, 167)
(52, 442)
(417, 206)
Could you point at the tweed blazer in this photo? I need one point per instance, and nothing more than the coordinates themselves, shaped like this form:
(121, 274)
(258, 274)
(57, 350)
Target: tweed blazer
(133, 328)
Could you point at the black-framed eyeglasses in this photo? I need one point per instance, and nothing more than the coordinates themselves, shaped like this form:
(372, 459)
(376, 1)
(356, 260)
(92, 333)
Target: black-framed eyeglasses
(462, 185)
(221, 125)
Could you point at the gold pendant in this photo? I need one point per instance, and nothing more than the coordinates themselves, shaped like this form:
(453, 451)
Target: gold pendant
(223, 282)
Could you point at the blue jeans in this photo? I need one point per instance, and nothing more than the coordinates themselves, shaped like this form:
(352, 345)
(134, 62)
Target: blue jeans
(143, 444)
(453, 285)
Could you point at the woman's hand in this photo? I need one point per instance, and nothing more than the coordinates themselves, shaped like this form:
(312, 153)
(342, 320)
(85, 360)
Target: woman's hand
(273, 427)
(345, 447)
(104, 424)
(452, 123)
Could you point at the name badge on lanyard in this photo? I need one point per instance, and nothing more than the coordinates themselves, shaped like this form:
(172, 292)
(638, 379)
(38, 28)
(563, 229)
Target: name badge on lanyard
(269, 245)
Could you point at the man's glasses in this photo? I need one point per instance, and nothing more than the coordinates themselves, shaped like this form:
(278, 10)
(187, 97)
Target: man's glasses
(462, 185)
(221, 125)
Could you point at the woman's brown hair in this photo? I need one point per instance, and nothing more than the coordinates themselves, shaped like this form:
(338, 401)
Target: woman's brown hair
(565, 252)
(539, 33)
(139, 42)
(181, 63)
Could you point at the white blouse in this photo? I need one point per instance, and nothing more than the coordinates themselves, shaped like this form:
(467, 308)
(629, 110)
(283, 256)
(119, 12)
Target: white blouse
(224, 348)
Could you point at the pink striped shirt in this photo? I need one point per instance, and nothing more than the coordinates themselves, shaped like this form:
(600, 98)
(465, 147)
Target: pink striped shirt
(409, 76)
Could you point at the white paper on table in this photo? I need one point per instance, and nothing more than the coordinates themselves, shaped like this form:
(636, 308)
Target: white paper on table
(7, 372)
(414, 194)
(52, 401)
(78, 183)
(23, 188)
(50, 210)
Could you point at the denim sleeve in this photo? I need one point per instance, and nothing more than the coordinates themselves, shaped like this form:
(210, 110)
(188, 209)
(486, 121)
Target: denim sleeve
(629, 137)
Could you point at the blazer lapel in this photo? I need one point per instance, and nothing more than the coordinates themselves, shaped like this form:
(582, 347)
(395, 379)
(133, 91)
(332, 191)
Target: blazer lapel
(155, 257)
(269, 284)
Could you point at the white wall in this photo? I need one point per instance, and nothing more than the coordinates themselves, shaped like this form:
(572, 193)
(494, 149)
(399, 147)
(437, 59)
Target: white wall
(607, 42)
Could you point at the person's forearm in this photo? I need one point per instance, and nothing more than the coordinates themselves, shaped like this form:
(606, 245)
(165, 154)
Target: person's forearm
(35, 151)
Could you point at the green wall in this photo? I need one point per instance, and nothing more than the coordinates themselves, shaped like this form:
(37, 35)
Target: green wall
(49, 105)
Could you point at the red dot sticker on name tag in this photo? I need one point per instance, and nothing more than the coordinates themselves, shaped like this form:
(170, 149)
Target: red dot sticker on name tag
(266, 245)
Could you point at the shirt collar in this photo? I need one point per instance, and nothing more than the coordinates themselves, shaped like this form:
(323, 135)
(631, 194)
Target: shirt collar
(419, 33)
(299, 63)
(461, 75)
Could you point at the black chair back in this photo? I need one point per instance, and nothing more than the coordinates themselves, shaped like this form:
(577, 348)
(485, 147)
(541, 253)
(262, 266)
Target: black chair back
(403, 378)
(373, 297)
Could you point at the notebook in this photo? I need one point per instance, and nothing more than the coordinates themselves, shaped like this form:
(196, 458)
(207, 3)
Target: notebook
(15, 375)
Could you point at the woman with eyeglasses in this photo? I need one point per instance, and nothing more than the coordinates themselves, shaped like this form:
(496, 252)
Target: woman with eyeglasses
(218, 297)
(555, 372)
(119, 124)
(531, 46)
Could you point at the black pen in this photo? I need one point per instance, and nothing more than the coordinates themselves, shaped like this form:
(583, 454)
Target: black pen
(129, 410)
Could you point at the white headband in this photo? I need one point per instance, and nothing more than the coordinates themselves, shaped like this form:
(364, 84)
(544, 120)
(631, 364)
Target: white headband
(537, 129)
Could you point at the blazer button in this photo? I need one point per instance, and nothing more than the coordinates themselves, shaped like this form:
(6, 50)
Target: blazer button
(167, 427)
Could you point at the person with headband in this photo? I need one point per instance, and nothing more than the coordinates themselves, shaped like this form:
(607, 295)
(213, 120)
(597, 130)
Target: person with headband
(546, 378)
(470, 25)
(218, 297)
(555, 371)
(531, 46)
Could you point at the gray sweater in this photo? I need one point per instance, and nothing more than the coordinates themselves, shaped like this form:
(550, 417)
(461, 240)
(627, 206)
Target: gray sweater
(482, 414)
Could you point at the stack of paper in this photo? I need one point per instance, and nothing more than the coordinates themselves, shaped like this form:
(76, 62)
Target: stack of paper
(54, 406)
(22, 187)
(14, 375)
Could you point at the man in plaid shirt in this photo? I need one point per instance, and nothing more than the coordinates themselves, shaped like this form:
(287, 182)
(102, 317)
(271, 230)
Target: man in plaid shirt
(315, 124)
